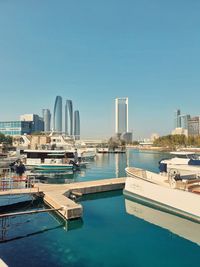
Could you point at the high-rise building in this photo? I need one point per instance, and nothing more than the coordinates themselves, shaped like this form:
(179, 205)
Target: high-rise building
(194, 126)
(66, 119)
(47, 119)
(69, 117)
(57, 115)
(37, 123)
(121, 115)
(76, 125)
(177, 118)
(184, 121)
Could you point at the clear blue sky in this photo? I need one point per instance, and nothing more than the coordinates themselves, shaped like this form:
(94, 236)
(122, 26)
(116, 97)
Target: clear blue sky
(93, 51)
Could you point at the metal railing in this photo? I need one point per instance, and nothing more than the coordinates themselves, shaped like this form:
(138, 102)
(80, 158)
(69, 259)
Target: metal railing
(10, 181)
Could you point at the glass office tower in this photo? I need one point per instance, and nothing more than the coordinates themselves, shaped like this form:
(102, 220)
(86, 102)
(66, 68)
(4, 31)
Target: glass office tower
(47, 119)
(76, 125)
(121, 115)
(69, 117)
(36, 122)
(177, 118)
(57, 115)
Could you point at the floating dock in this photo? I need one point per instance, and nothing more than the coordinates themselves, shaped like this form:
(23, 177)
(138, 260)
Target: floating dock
(57, 196)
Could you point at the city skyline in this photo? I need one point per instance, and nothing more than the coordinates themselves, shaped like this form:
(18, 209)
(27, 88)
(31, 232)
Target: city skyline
(146, 51)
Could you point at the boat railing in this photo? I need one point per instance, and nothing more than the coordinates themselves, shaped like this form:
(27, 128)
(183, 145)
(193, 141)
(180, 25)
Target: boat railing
(17, 182)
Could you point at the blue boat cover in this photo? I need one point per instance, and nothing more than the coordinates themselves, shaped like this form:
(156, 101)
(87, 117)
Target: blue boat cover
(194, 162)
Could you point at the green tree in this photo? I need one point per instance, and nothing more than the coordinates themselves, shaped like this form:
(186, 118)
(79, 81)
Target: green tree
(5, 139)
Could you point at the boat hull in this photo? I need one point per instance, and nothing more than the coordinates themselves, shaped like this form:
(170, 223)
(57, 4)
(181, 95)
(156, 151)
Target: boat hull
(183, 203)
(54, 167)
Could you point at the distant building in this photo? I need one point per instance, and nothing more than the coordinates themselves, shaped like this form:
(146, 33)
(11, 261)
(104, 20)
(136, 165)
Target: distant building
(181, 123)
(194, 126)
(57, 115)
(37, 123)
(69, 118)
(177, 118)
(184, 121)
(31, 141)
(15, 127)
(47, 119)
(121, 115)
(76, 125)
(180, 131)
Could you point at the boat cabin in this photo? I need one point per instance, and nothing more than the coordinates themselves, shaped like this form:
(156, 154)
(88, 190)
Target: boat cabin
(44, 156)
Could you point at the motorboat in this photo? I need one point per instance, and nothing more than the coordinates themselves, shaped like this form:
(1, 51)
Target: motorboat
(52, 160)
(67, 143)
(103, 150)
(86, 153)
(175, 224)
(184, 162)
(175, 193)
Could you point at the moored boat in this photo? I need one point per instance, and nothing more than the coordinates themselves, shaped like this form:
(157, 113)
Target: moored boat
(55, 160)
(173, 193)
(184, 162)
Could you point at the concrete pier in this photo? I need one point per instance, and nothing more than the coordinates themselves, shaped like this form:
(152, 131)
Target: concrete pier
(69, 209)
(57, 195)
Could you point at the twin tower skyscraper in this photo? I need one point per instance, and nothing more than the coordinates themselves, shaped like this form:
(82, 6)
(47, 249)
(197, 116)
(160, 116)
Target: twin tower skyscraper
(71, 120)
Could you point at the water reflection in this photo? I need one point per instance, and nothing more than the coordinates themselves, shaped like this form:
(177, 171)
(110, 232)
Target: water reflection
(101, 195)
(121, 162)
(182, 227)
(56, 177)
(149, 159)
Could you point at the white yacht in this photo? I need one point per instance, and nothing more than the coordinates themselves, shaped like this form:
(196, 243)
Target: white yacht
(67, 143)
(184, 162)
(175, 193)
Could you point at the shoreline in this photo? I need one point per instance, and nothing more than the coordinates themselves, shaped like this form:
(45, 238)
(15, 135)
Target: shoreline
(163, 149)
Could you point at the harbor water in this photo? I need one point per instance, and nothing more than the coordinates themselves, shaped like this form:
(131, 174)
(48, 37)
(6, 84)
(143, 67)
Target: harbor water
(108, 234)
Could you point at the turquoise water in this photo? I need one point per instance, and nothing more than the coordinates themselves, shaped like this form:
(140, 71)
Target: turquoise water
(106, 236)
